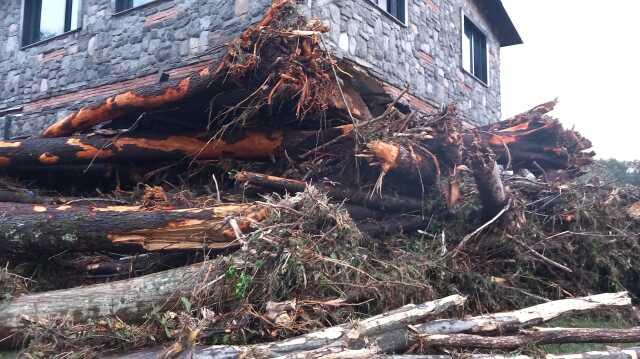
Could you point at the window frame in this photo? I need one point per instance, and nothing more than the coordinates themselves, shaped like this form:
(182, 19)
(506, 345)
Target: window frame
(404, 22)
(463, 18)
(116, 12)
(79, 11)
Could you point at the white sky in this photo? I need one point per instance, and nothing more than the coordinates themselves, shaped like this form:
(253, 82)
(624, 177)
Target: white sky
(586, 53)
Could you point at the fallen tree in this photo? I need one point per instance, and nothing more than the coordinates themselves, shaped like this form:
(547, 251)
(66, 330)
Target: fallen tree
(30, 229)
(539, 336)
(129, 299)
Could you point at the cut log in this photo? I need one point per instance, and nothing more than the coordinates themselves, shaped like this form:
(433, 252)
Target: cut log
(541, 336)
(85, 149)
(129, 299)
(405, 161)
(344, 336)
(486, 174)
(509, 321)
(29, 229)
(388, 203)
(139, 100)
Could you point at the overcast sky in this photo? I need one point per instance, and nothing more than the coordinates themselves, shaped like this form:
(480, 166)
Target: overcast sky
(586, 53)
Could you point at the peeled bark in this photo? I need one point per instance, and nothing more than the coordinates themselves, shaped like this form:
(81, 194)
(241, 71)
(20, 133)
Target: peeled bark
(542, 336)
(509, 321)
(405, 161)
(129, 299)
(137, 100)
(356, 335)
(85, 149)
(388, 203)
(30, 229)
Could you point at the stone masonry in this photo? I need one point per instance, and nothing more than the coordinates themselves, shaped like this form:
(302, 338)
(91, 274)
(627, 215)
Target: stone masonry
(111, 52)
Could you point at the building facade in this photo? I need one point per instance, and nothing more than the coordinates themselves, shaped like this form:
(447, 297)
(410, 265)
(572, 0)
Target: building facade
(56, 55)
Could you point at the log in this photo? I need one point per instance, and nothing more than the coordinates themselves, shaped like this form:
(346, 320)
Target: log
(540, 336)
(388, 203)
(85, 149)
(486, 174)
(405, 161)
(343, 336)
(30, 229)
(509, 321)
(137, 100)
(129, 299)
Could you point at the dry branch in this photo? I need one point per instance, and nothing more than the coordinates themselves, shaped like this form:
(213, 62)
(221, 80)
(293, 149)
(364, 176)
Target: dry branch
(387, 203)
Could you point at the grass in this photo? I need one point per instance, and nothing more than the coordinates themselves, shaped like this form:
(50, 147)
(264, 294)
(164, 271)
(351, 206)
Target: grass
(616, 322)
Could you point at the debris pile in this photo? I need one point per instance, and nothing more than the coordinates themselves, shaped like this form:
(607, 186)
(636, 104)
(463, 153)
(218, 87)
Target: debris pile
(267, 199)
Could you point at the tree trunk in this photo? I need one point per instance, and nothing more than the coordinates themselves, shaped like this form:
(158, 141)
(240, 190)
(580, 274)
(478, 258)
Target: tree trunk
(137, 100)
(541, 336)
(31, 229)
(85, 149)
(129, 299)
(343, 336)
(404, 161)
(388, 203)
(509, 321)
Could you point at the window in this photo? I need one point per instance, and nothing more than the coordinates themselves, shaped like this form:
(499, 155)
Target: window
(395, 8)
(122, 5)
(474, 51)
(47, 18)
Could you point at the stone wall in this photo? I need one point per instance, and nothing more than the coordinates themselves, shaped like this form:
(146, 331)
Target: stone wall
(107, 49)
(179, 35)
(426, 53)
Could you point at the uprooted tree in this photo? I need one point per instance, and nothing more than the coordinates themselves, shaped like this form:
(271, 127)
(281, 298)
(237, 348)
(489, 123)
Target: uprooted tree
(317, 207)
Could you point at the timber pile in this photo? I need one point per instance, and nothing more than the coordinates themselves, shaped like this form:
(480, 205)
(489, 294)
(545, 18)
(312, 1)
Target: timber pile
(268, 198)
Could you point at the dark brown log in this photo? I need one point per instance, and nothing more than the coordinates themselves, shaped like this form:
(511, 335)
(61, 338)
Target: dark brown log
(87, 149)
(30, 229)
(388, 203)
(129, 299)
(541, 336)
(138, 100)
(405, 161)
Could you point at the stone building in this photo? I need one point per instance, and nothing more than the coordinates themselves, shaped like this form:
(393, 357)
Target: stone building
(56, 55)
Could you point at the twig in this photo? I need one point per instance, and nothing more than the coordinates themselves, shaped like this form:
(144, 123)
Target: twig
(466, 238)
(542, 257)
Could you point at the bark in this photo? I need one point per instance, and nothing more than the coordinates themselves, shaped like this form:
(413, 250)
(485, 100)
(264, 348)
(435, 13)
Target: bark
(85, 149)
(534, 136)
(541, 336)
(486, 174)
(344, 336)
(138, 100)
(388, 203)
(405, 161)
(29, 229)
(129, 299)
(509, 321)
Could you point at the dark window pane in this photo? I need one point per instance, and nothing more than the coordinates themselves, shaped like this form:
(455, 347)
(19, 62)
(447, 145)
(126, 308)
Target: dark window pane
(122, 5)
(480, 56)
(47, 18)
(396, 8)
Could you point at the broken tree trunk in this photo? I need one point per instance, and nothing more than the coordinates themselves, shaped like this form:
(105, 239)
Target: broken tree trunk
(541, 336)
(138, 100)
(129, 299)
(509, 321)
(30, 229)
(405, 161)
(388, 203)
(344, 336)
(85, 149)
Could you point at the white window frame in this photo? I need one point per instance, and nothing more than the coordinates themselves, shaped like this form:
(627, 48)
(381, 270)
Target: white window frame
(382, 6)
(79, 10)
(464, 16)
